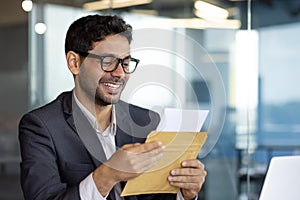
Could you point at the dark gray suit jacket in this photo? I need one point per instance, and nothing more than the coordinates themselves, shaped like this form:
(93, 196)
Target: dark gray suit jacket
(59, 148)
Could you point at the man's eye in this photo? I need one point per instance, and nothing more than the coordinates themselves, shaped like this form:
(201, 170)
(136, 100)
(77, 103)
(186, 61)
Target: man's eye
(126, 62)
(108, 61)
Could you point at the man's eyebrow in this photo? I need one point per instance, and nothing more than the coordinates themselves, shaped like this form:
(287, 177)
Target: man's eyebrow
(112, 54)
(102, 54)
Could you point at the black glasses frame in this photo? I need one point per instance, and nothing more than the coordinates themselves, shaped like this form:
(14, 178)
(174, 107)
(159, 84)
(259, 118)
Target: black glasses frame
(119, 60)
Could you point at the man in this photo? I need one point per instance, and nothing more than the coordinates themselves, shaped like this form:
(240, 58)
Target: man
(69, 147)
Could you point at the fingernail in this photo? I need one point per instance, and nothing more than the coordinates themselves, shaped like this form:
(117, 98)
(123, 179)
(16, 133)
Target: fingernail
(184, 164)
(163, 147)
(159, 143)
(173, 172)
(170, 178)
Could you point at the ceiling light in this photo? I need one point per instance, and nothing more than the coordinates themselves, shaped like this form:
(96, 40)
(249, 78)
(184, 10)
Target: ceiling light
(194, 23)
(208, 11)
(107, 4)
(40, 28)
(27, 5)
(145, 12)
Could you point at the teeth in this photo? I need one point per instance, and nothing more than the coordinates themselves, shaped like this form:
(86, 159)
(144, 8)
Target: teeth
(110, 85)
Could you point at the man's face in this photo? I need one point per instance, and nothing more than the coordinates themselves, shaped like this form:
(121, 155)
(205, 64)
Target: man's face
(97, 85)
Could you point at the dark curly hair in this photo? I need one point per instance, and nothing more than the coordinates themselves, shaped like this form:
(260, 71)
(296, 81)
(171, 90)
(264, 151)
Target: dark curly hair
(93, 28)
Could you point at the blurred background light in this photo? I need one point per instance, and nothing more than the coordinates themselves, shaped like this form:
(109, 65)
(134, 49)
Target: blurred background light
(209, 11)
(40, 28)
(27, 5)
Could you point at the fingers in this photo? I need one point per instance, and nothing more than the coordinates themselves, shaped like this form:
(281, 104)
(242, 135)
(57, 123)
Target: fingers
(152, 153)
(192, 164)
(142, 148)
(136, 158)
(187, 175)
(149, 162)
(190, 168)
(144, 152)
(147, 159)
(188, 172)
(186, 179)
(193, 187)
(189, 178)
(128, 146)
(198, 176)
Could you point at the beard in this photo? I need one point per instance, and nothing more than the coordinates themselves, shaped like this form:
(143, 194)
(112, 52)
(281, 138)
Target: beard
(104, 97)
(99, 91)
(102, 100)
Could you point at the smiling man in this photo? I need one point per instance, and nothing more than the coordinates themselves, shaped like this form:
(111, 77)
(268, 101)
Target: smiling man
(87, 143)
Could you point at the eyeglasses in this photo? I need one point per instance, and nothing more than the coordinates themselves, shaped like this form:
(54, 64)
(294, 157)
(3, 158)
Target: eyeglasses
(110, 63)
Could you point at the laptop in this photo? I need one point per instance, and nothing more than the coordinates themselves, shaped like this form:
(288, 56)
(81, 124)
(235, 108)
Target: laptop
(282, 181)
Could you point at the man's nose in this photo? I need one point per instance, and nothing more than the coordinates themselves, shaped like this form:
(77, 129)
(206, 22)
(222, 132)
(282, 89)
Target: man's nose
(119, 72)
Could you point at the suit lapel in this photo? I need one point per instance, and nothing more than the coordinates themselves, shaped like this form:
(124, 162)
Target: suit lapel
(128, 129)
(126, 132)
(79, 123)
(67, 108)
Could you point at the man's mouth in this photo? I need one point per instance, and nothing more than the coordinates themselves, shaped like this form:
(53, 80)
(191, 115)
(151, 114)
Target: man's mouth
(112, 85)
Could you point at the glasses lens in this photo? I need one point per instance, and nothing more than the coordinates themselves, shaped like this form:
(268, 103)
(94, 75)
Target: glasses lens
(129, 65)
(109, 63)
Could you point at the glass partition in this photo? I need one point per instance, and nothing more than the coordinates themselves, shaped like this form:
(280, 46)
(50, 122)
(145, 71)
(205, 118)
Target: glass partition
(274, 121)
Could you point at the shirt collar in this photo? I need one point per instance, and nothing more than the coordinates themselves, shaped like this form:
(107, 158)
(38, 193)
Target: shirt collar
(111, 129)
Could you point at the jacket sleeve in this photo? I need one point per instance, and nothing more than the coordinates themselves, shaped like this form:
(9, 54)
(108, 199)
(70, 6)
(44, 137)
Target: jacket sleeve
(40, 176)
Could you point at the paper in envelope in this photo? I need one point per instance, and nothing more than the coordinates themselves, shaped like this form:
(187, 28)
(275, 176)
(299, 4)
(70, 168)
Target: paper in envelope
(180, 146)
(182, 120)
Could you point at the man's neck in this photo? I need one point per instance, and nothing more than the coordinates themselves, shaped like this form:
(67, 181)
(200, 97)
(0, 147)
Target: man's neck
(103, 116)
(102, 113)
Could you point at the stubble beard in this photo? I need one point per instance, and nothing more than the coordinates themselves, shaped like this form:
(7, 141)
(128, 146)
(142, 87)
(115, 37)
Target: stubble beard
(102, 100)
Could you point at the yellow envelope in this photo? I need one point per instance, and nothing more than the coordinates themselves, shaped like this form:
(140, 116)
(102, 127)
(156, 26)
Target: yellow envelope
(180, 146)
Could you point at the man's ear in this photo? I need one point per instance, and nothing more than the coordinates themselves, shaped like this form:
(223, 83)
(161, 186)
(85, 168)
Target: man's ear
(73, 62)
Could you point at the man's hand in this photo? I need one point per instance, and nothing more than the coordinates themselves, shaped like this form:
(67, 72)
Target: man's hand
(189, 178)
(127, 163)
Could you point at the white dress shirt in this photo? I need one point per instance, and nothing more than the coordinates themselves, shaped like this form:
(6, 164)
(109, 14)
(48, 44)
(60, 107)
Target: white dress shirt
(87, 187)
